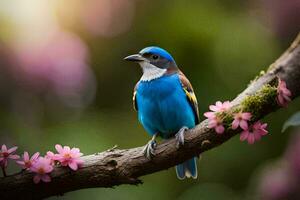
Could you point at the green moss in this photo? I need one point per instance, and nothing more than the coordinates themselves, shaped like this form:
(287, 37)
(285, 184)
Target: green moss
(227, 117)
(257, 102)
(261, 102)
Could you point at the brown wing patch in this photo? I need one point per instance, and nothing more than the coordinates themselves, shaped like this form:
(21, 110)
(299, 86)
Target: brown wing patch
(189, 91)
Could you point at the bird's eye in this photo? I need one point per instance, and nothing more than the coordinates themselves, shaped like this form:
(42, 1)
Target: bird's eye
(154, 57)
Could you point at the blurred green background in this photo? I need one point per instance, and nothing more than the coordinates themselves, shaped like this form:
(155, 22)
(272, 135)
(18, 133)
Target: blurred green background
(63, 80)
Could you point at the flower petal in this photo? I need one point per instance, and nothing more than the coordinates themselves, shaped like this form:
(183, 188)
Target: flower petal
(73, 165)
(20, 162)
(209, 115)
(246, 116)
(26, 156)
(264, 126)
(4, 148)
(251, 138)
(59, 148)
(263, 132)
(280, 100)
(67, 149)
(11, 150)
(79, 162)
(244, 135)
(35, 156)
(48, 169)
(220, 129)
(286, 98)
(287, 92)
(219, 104)
(14, 157)
(212, 123)
(214, 108)
(257, 136)
(282, 84)
(244, 125)
(226, 105)
(75, 150)
(235, 124)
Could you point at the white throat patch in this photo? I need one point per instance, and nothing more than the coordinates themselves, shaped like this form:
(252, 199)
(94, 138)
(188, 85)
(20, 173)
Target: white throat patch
(151, 72)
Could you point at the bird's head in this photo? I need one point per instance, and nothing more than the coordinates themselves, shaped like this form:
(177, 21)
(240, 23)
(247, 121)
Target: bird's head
(154, 61)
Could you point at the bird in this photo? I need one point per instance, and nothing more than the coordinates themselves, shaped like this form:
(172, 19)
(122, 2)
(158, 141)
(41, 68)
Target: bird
(165, 102)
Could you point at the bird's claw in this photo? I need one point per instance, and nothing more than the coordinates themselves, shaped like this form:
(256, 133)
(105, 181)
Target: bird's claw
(149, 149)
(180, 136)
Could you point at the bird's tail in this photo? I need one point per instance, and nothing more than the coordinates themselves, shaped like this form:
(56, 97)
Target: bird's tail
(187, 169)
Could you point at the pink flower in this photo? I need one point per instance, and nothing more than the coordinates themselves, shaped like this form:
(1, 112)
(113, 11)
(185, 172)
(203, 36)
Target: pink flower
(69, 157)
(210, 115)
(53, 157)
(6, 154)
(42, 167)
(217, 124)
(27, 161)
(283, 93)
(220, 107)
(240, 120)
(254, 133)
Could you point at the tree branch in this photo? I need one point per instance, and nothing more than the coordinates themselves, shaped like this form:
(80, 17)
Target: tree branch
(115, 167)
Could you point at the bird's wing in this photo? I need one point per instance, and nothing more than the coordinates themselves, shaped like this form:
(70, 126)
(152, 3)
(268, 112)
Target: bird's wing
(188, 89)
(134, 101)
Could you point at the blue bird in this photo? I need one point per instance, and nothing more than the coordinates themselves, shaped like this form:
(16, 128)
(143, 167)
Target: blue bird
(165, 102)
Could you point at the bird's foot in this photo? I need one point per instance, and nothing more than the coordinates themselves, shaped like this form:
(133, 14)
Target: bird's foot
(180, 136)
(149, 148)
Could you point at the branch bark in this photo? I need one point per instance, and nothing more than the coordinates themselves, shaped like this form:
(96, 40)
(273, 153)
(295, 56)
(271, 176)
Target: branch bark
(115, 167)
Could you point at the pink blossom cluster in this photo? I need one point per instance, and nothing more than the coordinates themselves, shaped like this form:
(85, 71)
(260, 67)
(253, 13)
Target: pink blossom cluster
(42, 166)
(216, 121)
(250, 132)
(283, 93)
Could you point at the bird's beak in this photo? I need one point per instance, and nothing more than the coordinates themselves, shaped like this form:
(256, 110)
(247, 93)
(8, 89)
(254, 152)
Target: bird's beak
(135, 58)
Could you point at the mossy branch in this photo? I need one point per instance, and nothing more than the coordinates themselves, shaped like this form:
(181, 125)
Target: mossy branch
(115, 167)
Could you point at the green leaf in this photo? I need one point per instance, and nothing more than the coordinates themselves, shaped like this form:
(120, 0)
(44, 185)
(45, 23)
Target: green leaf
(294, 120)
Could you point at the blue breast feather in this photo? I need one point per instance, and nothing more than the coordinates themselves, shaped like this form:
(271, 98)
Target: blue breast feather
(163, 106)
